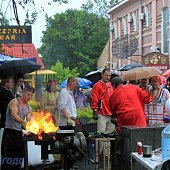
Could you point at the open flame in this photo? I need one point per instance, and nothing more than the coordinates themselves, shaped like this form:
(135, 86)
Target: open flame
(40, 123)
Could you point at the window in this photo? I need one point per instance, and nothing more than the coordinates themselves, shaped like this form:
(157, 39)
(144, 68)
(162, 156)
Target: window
(115, 29)
(165, 24)
(135, 21)
(124, 24)
(147, 15)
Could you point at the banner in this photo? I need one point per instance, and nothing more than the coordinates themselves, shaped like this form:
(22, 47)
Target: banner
(156, 59)
(15, 34)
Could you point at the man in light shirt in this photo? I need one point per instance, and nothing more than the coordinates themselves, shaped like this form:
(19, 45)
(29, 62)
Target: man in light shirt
(66, 103)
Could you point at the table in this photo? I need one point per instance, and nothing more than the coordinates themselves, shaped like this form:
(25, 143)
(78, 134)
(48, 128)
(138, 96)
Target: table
(152, 163)
(112, 144)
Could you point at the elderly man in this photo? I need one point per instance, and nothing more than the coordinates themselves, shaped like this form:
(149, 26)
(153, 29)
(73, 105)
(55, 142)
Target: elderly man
(66, 103)
(12, 142)
(144, 85)
(127, 103)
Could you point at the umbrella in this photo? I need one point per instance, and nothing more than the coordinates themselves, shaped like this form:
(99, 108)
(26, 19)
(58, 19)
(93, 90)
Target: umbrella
(130, 66)
(163, 80)
(140, 73)
(4, 58)
(166, 73)
(83, 83)
(14, 67)
(95, 76)
(42, 72)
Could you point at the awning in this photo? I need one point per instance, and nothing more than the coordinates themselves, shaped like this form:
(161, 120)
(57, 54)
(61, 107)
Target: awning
(42, 72)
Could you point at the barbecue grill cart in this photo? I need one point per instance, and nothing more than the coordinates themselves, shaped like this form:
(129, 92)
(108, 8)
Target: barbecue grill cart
(72, 146)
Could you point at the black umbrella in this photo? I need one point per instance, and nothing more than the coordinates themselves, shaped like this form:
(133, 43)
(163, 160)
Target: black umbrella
(130, 66)
(14, 67)
(95, 76)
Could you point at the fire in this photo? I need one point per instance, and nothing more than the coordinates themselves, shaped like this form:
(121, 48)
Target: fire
(40, 123)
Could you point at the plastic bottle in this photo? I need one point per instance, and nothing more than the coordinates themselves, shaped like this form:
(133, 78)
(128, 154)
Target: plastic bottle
(166, 143)
(139, 147)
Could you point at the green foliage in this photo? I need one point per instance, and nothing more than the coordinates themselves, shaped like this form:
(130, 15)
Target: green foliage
(75, 38)
(63, 73)
(99, 7)
(87, 112)
(3, 20)
(34, 105)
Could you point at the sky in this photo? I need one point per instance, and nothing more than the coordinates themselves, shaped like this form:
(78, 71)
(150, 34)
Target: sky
(40, 23)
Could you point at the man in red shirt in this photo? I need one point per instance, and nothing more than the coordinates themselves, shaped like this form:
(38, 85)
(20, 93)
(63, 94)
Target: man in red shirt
(100, 95)
(127, 103)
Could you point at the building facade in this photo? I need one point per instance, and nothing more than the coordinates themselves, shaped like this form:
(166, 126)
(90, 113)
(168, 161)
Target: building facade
(148, 21)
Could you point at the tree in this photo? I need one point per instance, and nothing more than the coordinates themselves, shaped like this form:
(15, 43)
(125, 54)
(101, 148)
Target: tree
(28, 6)
(99, 7)
(63, 73)
(3, 20)
(24, 2)
(75, 38)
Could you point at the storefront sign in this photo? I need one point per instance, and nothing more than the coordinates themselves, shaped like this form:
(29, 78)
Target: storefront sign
(15, 34)
(156, 59)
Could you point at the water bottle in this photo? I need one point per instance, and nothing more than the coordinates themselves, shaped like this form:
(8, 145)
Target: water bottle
(166, 143)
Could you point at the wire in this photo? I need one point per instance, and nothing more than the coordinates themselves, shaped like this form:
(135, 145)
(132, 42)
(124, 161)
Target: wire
(25, 1)
(15, 12)
(1, 5)
(7, 7)
(11, 13)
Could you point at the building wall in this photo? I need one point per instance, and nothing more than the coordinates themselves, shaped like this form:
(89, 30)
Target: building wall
(145, 23)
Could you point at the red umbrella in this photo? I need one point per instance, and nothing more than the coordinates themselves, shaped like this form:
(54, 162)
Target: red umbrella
(166, 73)
(163, 80)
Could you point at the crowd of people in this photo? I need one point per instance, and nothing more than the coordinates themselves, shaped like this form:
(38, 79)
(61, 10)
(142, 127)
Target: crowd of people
(137, 102)
(114, 104)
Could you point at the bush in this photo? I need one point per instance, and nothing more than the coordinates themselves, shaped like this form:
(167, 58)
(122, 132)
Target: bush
(86, 112)
(34, 105)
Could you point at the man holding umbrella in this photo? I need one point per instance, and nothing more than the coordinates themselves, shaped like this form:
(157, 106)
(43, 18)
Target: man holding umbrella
(6, 96)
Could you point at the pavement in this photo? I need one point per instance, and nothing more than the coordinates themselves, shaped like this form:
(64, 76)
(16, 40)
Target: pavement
(79, 165)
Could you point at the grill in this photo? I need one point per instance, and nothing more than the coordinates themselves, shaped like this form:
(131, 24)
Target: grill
(72, 146)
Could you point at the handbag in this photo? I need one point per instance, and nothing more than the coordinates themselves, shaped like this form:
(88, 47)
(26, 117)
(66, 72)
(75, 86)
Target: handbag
(99, 106)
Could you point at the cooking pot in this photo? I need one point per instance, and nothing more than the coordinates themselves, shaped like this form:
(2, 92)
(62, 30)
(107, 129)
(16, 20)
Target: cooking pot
(147, 150)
